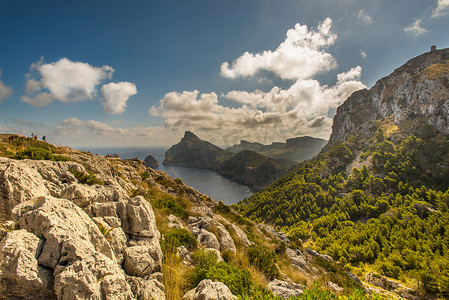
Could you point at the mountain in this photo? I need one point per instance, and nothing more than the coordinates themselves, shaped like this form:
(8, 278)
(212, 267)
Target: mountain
(191, 151)
(247, 167)
(80, 226)
(295, 149)
(376, 197)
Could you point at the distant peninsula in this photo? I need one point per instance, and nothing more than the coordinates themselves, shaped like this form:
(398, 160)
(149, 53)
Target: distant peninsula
(251, 164)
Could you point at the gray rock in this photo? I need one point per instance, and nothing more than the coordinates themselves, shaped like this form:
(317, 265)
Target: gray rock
(20, 274)
(174, 222)
(151, 162)
(297, 259)
(207, 239)
(209, 290)
(83, 261)
(151, 288)
(285, 289)
(138, 262)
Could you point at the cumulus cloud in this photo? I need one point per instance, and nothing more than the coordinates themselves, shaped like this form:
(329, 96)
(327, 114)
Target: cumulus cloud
(301, 55)
(303, 108)
(364, 17)
(416, 29)
(69, 81)
(363, 54)
(5, 91)
(116, 95)
(441, 9)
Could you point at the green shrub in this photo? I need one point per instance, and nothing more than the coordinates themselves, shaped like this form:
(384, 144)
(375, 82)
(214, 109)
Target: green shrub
(174, 206)
(37, 153)
(206, 267)
(84, 178)
(178, 237)
(179, 181)
(264, 259)
(145, 175)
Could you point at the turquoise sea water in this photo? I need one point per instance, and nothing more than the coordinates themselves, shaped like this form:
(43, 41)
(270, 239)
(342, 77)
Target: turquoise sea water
(205, 181)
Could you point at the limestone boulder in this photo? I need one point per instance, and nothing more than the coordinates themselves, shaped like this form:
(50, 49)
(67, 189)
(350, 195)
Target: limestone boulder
(297, 259)
(83, 263)
(210, 290)
(151, 288)
(207, 239)
(285, 289)
(21, 277)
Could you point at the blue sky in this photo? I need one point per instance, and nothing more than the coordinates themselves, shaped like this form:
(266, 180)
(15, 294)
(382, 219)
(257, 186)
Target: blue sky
(141, 72)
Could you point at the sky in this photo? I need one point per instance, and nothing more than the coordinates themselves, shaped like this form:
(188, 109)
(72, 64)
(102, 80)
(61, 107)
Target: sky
(141, 72)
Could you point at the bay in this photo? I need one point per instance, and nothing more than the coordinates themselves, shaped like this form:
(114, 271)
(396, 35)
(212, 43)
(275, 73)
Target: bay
(208, 182)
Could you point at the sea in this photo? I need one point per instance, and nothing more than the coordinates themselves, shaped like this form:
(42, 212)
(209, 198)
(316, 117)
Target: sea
(208, 182)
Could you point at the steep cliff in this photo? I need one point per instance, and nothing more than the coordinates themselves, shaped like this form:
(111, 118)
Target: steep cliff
(419, 88)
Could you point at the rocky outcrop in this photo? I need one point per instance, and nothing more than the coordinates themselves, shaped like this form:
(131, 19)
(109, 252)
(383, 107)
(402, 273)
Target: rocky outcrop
(151, 162)
(21, 276)
(210, 290)
(285, 289)
(72, 249)
(419, 88)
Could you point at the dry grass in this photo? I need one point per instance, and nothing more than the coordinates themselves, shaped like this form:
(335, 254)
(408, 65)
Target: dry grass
(295, 275)
(174, 277)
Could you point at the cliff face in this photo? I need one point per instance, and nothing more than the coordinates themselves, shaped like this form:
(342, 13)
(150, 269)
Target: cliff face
(419, 88)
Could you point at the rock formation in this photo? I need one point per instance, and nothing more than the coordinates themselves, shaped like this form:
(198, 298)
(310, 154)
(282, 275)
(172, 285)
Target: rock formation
(419, 88)
(151, 162)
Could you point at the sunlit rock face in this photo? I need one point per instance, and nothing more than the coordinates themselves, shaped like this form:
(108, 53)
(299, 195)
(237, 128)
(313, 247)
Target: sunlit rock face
(419, 88)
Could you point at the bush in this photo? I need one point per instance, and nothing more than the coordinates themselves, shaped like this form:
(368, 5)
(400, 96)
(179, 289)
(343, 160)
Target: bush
(84, 178)
(178, 237)
(264, 259)
(37, 153)
(145, 175)
(172, 205)
(206, 267)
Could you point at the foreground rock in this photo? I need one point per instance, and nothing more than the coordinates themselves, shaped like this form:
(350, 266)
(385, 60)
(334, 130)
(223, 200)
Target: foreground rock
(210, 290)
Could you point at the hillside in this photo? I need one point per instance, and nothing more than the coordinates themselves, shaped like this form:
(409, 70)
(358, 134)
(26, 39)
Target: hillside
(376, 198)
(295, 149)
(247, 167)
(80, 226)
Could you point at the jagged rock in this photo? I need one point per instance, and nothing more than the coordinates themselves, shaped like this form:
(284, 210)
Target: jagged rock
(18, 183)
(241, 235)
(20, 274)
(139, 262)
(184, 254)
(83, 261)
(334, 287)
(207, 239)
(383, 282)
(210, 290)
(297, 259)
(174, 222)
(285, 289)
(151, 288)
(80, 194)
(280, 236)
(118, 241)
(412, 90)
(151, 162)
(201, 228)
(316, 254)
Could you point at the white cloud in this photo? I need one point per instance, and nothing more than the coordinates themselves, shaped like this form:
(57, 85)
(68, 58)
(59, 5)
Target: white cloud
(5, 91)
(301, 109)
(441, 9)
(116, 95)
(364, 17)
(301, 55)
(363, 54)
(416, 29)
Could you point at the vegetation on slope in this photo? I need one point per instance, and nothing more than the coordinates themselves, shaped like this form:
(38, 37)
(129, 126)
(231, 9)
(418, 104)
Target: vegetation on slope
(389, 214)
